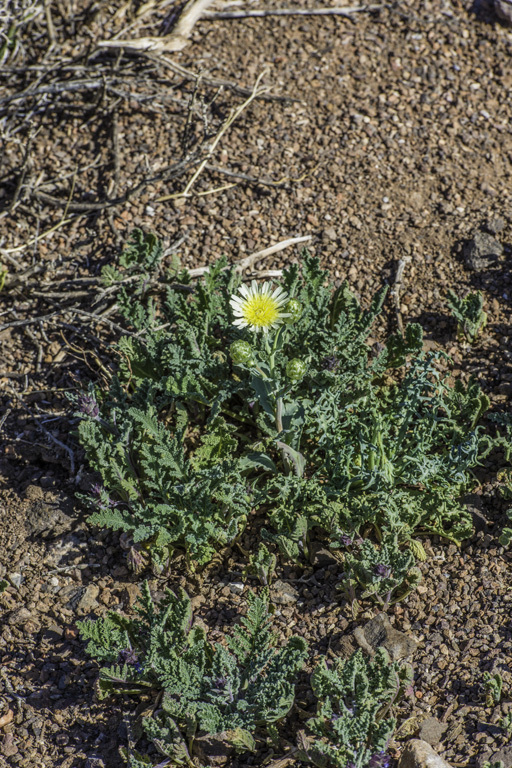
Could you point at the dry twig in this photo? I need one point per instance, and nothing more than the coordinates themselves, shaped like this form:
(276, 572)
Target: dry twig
(395, 291)
(178, 38)
(248, 261)
(232, 117)
(213, 15)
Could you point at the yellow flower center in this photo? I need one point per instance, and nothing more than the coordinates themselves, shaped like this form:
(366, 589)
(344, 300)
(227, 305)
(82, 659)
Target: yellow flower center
(261, 311)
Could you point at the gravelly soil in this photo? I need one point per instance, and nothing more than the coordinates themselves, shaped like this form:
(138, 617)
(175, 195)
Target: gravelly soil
(392, 132)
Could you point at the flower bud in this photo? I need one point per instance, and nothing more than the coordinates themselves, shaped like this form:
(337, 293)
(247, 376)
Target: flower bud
(293, 308)
(296, 369)
(382, 571)
(241, 352)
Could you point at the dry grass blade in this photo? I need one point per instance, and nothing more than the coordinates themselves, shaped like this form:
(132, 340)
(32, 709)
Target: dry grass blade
(178, 38)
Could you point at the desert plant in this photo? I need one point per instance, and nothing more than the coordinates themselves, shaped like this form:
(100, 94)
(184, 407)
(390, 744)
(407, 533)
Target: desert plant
(262, 564)
(354, 721)
(209, 697)
(381, 570)
(233, 397)
(493, 686)
(469, 314)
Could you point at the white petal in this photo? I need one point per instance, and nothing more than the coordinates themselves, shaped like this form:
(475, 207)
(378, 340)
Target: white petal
(280, 295)
(244, 290)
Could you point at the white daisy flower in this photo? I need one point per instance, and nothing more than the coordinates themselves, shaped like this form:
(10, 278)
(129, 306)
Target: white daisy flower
(259, 308)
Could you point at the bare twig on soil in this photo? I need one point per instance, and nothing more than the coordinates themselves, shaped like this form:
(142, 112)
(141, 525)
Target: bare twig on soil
(216, 82)
(212, 15)
(232, 117)
(6, 251)
(4, 417)
(100, 318)
(248, 261)
(263, 182)
(47, 432)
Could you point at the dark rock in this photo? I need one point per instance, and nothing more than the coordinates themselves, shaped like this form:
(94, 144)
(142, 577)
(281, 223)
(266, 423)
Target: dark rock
(473, 504)
(321, 557)
(419, 754)
(94, 762)
(431, 731)
(345, 647)
(379, 632)
(482, 251)
(503, 9)
(53, 633)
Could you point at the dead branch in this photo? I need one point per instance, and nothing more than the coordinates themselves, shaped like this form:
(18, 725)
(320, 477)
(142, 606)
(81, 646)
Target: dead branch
(232, 117)
(255, 180)
(214, 15)
(395, 291)
(216, 82)
(248, 261)
(178, 38)
(172, 171)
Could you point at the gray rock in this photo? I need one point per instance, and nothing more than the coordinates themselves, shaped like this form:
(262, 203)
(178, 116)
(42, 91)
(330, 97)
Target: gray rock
(503, 9)
(16, 579)
(236, 587)
(345, 647)
(379, 632)
(419, 754)
(46, 512)
(19, 617)
(88, 602)
(473, 504)
(431, 731)
(495, 224)
(214, 750)
(283, 593)
(504, 755)
(482, 251)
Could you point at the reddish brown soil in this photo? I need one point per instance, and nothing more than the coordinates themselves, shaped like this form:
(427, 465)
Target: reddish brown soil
(389, 138)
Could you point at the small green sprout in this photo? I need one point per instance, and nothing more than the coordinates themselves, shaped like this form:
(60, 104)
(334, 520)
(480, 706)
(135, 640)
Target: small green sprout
(263, 565)
(469, 314)
(493, 687)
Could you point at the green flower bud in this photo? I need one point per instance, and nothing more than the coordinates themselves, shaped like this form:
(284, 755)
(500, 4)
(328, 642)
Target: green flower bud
(294, 309)
(241, 352)
(296, 369)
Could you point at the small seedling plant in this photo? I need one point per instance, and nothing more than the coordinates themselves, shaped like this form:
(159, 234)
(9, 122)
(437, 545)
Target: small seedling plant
(493, 687)
(206, 697)
(232, 398)
(469, 315)
(354, 721)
